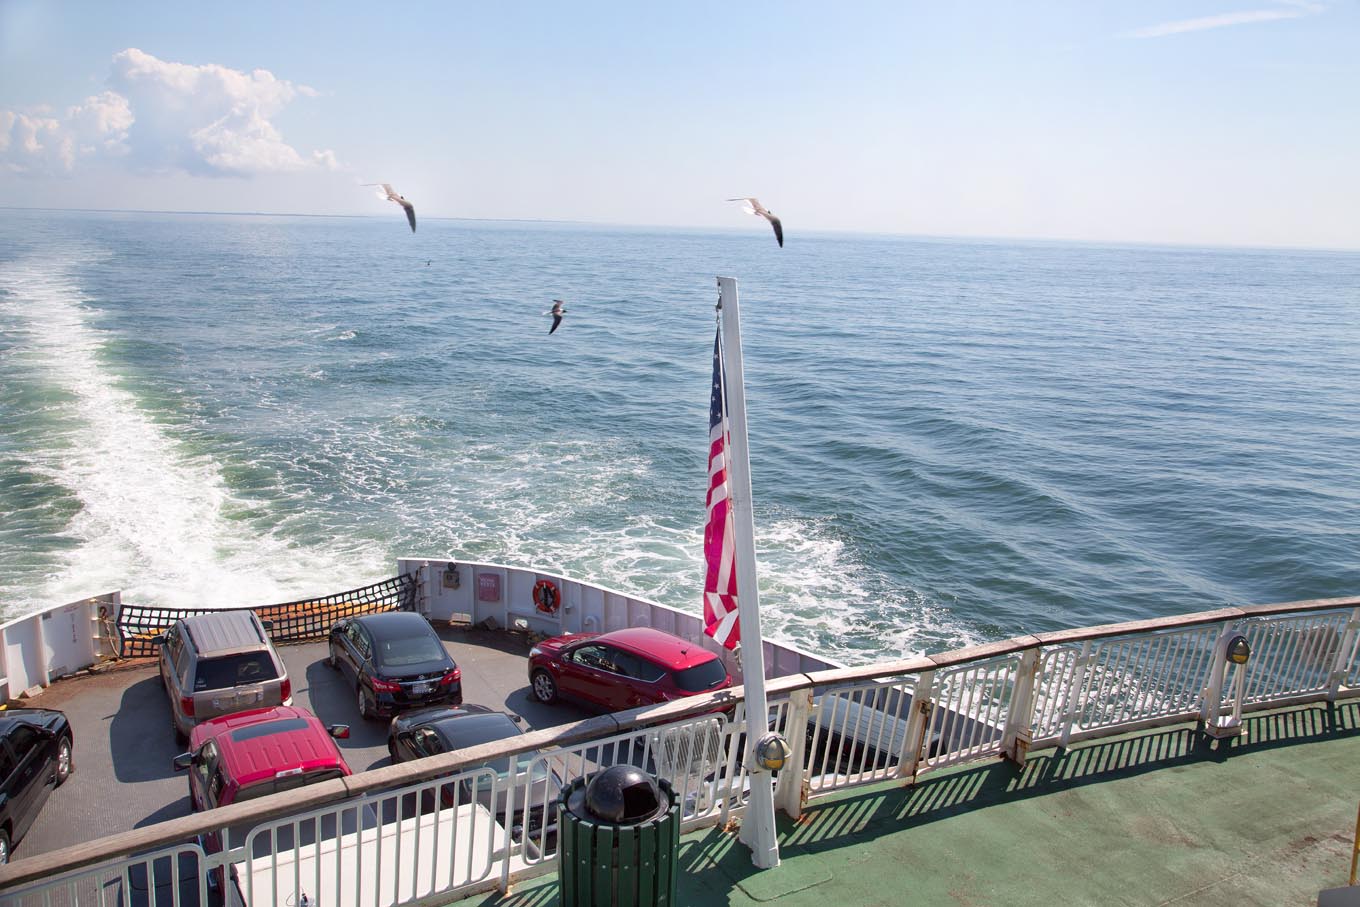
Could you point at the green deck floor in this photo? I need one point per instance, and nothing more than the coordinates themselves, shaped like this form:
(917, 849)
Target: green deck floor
(1154, 818)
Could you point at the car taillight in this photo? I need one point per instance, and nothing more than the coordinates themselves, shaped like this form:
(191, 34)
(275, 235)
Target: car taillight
(285, 689)
(186, 705)
(385, 686)
(451, 677)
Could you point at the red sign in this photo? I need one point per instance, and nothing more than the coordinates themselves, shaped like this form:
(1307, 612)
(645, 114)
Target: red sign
(488, 587)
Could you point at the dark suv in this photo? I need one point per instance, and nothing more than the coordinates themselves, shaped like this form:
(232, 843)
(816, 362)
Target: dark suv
(35, 757)
(219, 663)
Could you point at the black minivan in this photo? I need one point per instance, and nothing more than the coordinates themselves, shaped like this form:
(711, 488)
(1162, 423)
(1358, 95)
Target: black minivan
(395, 661)
(35, 756)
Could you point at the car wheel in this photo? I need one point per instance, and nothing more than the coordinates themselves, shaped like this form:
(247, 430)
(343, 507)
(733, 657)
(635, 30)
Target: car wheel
(392, 753)
(331, 661)
(545, 688)
(4, 847)
(65, 764)
(364, 711)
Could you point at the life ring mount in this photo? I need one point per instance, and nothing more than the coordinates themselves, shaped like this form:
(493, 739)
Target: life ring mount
(547, 598)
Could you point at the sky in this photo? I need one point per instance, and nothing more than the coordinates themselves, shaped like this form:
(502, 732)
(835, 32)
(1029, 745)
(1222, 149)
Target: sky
(1203, 122)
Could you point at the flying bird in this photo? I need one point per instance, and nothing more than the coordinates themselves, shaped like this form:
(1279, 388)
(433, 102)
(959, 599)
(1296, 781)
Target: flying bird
(392, 196)
(557, 311)
(753, 206)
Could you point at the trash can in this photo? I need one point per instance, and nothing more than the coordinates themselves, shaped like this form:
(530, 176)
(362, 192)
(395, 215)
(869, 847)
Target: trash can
(618, 834)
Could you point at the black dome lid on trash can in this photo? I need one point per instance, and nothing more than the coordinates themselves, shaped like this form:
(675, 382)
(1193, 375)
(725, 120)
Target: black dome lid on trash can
(623, 795)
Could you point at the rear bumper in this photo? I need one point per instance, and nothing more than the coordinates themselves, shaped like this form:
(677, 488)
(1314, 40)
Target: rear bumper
(387, 705)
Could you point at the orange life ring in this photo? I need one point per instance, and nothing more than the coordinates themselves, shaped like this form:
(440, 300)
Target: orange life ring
(546, 597)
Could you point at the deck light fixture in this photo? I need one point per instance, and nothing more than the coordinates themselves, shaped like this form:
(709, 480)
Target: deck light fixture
(1238, 650)
(772, 751)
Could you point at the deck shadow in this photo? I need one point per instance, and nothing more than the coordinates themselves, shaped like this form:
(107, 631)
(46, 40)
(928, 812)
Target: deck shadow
(141, 743)
(885, 810)
(332, 700)
(175, 810)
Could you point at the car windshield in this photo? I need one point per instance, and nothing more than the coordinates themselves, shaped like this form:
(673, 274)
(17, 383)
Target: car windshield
(701, 677)
(234, 671)
(412, 650)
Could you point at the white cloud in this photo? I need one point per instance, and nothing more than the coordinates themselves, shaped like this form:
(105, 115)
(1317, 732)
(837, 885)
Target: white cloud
(32, 141)
(161, 116)
(100, 123)
(1295, 9)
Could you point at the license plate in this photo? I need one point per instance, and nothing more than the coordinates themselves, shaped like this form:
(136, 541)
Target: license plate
(418, 688)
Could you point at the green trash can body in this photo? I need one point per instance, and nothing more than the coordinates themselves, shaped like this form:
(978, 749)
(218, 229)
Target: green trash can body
(609, 864)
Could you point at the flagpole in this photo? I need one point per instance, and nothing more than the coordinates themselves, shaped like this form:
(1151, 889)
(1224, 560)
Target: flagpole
(757, 826)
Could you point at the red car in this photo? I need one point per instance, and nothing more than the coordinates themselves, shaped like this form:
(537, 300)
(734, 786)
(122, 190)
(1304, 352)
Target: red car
(623, 669)
(259, 752)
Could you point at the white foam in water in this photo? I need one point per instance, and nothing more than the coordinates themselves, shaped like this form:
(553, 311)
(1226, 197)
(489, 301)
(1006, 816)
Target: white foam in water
(153, 519)
(562, 506)
(156, 516)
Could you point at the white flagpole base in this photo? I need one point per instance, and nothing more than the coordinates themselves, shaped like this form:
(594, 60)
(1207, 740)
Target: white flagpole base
(757, 825)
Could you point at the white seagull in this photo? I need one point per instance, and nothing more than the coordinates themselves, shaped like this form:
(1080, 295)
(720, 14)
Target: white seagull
(392, 196)
(557, 311)
(753, 206)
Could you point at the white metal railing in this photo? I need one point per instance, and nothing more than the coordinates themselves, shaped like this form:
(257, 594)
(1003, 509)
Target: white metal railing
(438, 827)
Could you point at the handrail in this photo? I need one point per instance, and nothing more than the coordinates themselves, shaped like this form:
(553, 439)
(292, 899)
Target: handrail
(312, 796)
(1008, 675)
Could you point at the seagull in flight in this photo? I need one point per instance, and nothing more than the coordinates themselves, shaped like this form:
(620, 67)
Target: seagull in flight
(557, 311)
(392, 196)
(753, 206)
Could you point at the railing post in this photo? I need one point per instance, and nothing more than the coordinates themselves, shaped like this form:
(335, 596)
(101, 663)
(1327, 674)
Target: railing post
(1214, 724)
(1020, 717)
(513, 785)
(792, 790)
(1072, 706)
(918, 725)
(1342, 668)
(1212, 695)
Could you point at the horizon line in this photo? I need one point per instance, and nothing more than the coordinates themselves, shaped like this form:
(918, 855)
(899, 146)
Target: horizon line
(522, 220)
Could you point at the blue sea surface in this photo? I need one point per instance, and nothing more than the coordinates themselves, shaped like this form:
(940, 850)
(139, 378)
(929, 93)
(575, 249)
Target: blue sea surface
(952, 441)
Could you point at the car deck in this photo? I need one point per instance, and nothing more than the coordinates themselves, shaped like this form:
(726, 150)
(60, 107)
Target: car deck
(124, 746)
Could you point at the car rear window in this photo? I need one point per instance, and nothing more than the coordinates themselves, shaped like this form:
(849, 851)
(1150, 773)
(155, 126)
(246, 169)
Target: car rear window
(287, 782)
(396, 653)
(701, 677)
(234, 671)
(264, 729)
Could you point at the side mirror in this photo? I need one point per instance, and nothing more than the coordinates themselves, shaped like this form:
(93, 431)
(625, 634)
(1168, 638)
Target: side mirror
(183, 761)
(339, 731)
(268, 625)
(158, 639)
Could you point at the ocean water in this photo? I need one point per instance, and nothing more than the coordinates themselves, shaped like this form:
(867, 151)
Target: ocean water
(952, 441)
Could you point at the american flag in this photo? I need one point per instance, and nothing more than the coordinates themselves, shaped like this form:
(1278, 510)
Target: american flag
(720, 583)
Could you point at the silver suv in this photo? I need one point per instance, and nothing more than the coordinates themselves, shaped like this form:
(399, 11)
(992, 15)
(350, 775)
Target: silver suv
(219, 663)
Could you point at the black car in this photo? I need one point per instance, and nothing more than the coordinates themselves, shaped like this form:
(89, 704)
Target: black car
(35, 757)
(395, 662)
(429, 732)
